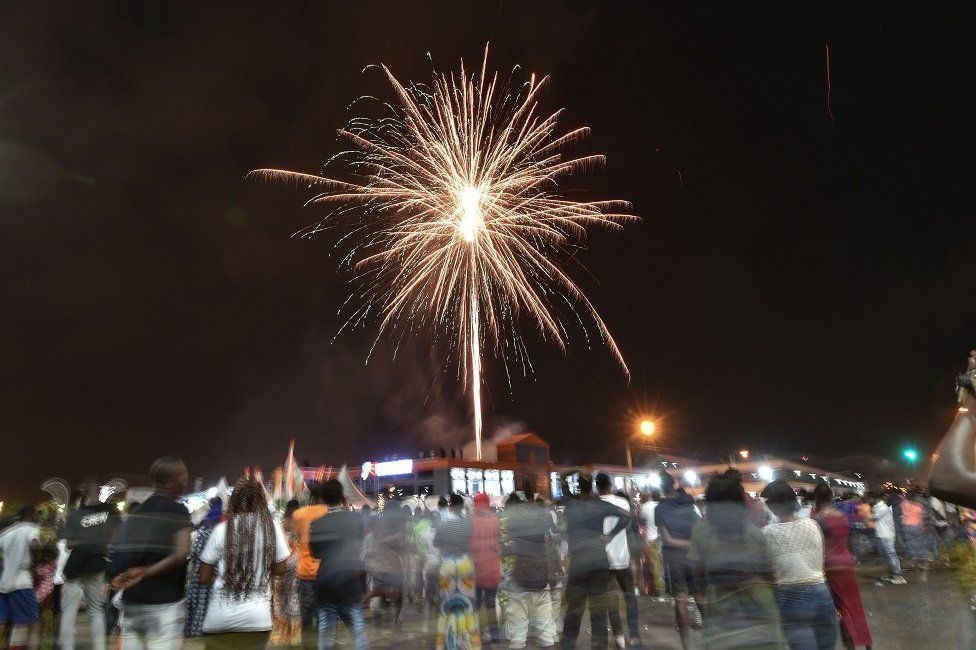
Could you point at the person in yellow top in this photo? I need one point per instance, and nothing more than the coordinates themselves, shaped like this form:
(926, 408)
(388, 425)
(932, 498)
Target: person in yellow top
(308, 567)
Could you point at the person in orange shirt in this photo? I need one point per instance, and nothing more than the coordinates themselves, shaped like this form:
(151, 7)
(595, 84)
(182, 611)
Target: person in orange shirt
(308, 567)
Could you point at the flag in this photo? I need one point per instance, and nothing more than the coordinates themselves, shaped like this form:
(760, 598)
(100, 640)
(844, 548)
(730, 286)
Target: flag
(351, 492)
(223, 493)
(278, 496)
(291, 487)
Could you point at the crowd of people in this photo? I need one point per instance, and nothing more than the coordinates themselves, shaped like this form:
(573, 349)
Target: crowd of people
(773, 570)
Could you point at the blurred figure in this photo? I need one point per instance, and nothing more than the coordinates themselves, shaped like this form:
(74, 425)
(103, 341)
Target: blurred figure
(307, 567)
(618, 555)
(729, 555)
(425, 532)
(676, 518)
(485, 553)
(796, 547)
(893, 497)
(387, 548)
(915, 533)
(45, 569)
(588, 584)
(242, 554)
(56, 606)
(336, 541)
(156, 544)
(457, 623)
(940, 521)
(87, 533)
(884, 537)
(530, 603)
(839, 564)
(654, 582)
(19, 613)
(422, 537)
(967, 517)
(286, 599)
(197, 595)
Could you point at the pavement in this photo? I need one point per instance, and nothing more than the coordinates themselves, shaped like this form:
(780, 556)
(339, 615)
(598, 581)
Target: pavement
(931, 611)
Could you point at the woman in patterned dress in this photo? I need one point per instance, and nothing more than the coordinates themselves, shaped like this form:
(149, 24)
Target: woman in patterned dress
(197, 596)
(457, 623)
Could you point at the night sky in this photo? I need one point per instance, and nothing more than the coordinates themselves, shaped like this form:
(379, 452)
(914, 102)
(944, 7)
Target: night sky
(794, 286)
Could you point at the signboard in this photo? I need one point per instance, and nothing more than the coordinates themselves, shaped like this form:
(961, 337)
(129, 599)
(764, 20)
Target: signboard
(393, 468)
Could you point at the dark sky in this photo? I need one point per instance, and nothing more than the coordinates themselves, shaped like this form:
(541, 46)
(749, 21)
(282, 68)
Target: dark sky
(793, 286)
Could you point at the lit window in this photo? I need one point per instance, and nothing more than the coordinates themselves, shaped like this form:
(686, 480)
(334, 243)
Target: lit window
(508, 481)
(475, 481)
(493, 484)
(458, 482)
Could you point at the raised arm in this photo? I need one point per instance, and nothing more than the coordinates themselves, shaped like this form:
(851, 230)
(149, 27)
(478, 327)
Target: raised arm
(953, 474)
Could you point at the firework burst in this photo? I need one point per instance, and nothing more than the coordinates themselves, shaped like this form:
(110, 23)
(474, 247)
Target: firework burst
(458, 223)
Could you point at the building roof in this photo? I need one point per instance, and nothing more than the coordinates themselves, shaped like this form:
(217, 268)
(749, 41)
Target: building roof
(518, 438)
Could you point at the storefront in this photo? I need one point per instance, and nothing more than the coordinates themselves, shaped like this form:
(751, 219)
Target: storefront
(509, 465)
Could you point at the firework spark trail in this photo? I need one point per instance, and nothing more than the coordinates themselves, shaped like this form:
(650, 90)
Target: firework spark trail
(457, 221)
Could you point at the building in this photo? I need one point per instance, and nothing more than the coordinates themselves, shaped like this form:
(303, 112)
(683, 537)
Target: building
(521, 461)
(695, 475)
(510, 464)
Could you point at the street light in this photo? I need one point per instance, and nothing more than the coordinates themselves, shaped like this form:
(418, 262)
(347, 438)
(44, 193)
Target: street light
(911, 455)
(744, 454)
(646, 429)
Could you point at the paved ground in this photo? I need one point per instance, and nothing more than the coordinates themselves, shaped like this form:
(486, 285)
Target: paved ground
(934, 613)
(930, 614)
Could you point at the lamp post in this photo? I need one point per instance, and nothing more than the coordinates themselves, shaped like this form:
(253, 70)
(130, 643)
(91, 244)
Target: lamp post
(646, 429)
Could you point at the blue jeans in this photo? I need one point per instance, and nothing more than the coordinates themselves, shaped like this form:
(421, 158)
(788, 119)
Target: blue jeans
(808, 615)
(886, 549)
(352, 616)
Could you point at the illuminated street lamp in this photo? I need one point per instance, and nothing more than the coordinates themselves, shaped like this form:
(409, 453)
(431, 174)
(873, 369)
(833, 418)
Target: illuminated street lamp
(646, 429)
(744, 454)
(911, 455)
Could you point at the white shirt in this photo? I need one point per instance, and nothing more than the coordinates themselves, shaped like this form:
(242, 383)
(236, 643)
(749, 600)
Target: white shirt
(797, 551)
(647, 513)
(884, 521)
(252, 613)
(15, 542)
(618, 553)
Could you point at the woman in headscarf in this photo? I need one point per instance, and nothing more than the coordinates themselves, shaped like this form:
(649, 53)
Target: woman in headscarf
(241, 556)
